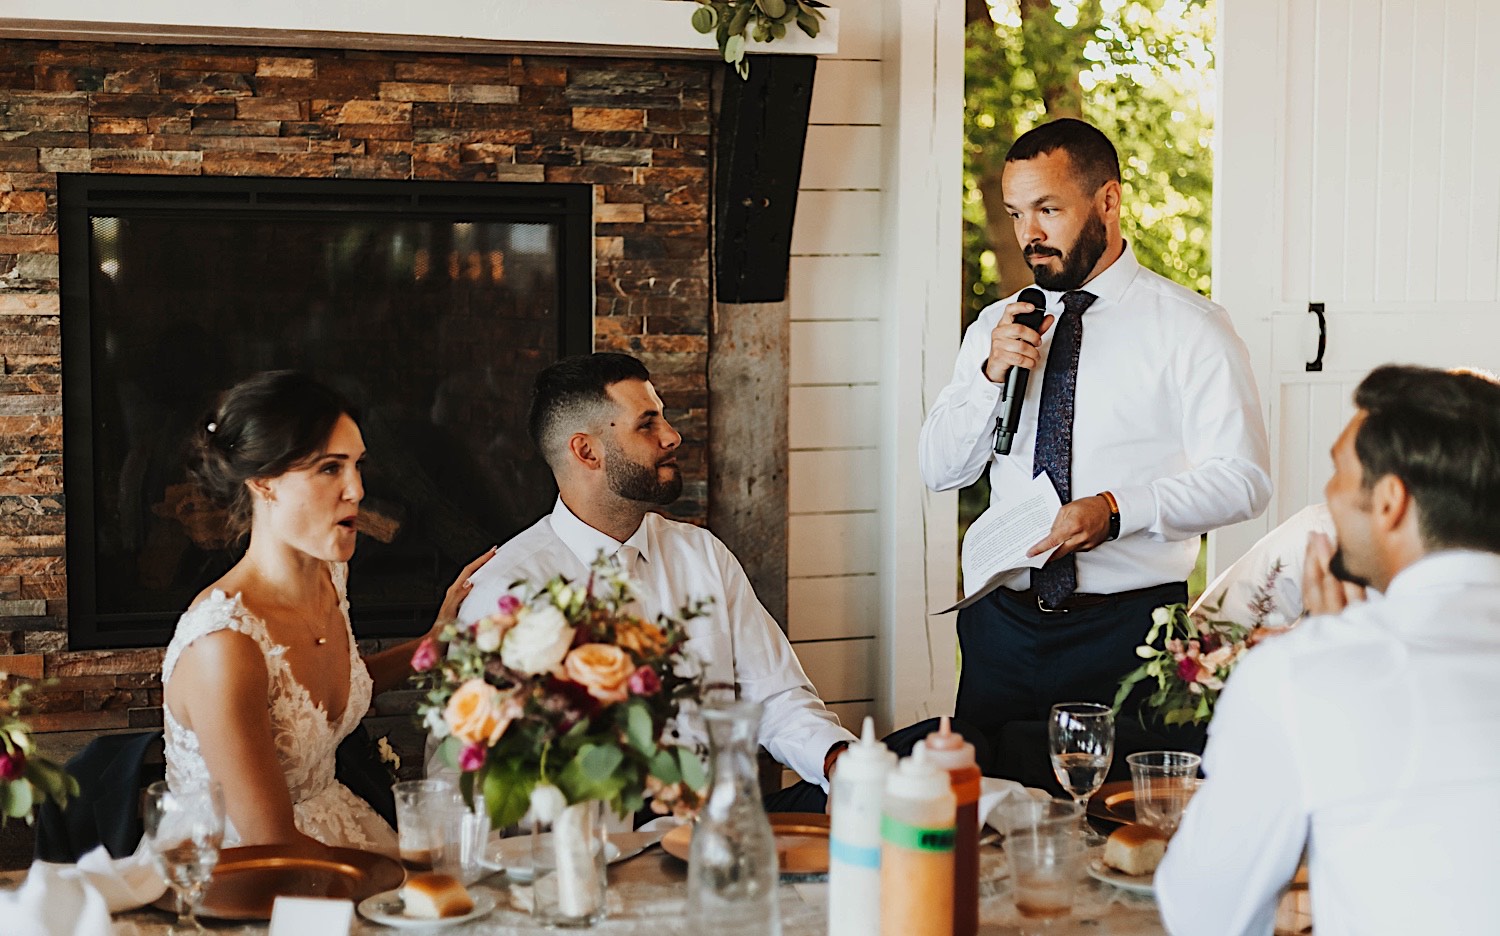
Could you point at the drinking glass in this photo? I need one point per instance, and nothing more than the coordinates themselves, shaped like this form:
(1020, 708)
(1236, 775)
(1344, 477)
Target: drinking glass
(184, 830)
(424, 815)
(1081, 737)
(1164, 781)
(1045, 851)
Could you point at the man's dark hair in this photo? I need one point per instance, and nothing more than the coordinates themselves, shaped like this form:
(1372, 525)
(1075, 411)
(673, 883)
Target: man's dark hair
(1439, 433)
(1093, 156)
(572, 393)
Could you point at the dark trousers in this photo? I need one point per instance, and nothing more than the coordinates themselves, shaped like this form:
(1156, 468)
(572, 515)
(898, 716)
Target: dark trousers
(809, 797)
(1019, 661)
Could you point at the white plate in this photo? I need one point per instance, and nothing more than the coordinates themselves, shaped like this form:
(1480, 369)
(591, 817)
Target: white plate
(386, 909)
(513, 856)
(1135, 883)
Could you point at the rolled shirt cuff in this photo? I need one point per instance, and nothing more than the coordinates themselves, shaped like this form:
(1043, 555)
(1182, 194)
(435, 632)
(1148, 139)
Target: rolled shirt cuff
(1137, 508)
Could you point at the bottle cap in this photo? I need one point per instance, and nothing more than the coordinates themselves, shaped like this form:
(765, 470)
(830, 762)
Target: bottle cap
(917, 778)
(867, 759)
(948, 749)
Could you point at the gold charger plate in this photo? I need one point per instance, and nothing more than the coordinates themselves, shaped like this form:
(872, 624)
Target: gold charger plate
(248, 879)
(801, 843)
(1115, 802)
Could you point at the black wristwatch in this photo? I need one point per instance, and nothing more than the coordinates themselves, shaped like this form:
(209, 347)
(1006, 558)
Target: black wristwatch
(1114, 515)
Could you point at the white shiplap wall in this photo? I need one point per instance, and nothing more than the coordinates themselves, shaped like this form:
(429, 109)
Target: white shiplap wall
(875, 293)
(833, 600)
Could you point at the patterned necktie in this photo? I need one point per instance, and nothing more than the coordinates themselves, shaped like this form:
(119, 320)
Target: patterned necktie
(1058, 579)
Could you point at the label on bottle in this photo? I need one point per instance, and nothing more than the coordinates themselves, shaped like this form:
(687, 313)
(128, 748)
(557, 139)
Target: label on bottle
(857, 855)
(916, 838)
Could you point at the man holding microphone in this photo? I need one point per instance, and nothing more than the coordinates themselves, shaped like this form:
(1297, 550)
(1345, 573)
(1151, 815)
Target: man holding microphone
(1142, 410)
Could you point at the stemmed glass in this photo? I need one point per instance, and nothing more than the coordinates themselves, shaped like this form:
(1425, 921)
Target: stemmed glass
(184, 829)
(1081, 738)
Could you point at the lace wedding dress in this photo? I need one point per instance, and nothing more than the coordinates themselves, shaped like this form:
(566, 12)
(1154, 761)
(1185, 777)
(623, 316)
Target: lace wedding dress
(305, 740)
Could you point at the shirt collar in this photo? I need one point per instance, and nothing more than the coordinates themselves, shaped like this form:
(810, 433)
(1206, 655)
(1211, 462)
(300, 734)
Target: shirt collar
(1449, 569)
(1110, 285)
(585, 542)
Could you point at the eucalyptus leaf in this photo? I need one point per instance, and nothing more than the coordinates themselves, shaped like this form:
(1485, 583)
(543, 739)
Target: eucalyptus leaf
(778, 31)
(810, 24)
(693, 773)
(639, 730)
(664, 767)
(705, 19)
(773, 8)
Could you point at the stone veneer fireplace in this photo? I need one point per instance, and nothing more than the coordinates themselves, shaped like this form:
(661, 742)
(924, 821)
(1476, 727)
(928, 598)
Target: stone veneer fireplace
(636, 132)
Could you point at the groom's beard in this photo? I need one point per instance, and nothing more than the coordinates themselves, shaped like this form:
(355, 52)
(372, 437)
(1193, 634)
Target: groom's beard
(1341, 571)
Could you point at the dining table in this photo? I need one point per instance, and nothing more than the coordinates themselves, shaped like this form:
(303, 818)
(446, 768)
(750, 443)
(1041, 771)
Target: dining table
(647, 896)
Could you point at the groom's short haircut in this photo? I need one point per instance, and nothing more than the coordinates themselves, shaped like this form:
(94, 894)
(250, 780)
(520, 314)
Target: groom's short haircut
(573, 395)
(1439, 433)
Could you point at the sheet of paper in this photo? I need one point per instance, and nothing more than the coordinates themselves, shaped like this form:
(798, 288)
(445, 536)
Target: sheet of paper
(997, 542)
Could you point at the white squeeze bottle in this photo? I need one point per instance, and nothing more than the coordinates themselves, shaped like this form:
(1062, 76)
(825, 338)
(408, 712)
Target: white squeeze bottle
(854, 839)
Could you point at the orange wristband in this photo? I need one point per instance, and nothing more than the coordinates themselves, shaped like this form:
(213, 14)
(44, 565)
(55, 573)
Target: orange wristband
(1114, 515)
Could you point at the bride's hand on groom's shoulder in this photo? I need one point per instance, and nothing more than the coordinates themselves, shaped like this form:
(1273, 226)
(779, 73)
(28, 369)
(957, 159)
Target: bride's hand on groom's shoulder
(459, 590)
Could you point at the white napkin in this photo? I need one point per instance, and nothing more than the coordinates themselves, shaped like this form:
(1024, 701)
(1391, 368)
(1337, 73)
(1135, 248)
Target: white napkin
(76, 900)
(994, 791)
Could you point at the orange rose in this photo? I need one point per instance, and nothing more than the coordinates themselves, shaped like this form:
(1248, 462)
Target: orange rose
(602, 669)
(478, 713)
(642, 638)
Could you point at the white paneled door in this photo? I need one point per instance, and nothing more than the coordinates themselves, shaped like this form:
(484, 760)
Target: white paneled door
(1357, 168)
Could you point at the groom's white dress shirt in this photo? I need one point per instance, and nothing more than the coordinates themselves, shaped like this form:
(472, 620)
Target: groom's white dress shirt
(1166, 418)
(1371, 739)
(737, 640)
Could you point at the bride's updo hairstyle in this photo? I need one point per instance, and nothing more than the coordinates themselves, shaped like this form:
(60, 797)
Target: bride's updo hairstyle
(262, 427)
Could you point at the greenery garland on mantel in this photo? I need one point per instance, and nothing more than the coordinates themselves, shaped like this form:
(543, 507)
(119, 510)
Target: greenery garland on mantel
(736, 22)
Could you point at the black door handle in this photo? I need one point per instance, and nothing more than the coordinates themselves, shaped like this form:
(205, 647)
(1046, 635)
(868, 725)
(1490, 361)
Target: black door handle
(1316, 308)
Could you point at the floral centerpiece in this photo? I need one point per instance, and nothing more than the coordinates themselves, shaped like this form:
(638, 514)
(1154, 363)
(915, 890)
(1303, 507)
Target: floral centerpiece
(1190, 653)
(26, 779)
(563, 696)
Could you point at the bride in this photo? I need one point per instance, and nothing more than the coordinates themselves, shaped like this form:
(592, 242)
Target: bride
(262, 678)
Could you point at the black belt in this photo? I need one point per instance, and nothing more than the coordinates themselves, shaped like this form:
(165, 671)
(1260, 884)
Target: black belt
(1079, 601)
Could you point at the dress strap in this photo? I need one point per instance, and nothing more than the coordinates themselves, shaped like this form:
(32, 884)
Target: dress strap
(215, 613)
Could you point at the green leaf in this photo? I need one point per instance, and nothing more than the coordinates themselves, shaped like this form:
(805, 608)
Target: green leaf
(639, 729)
(773, 8)
(693, 773)
(592, 774)
(507, 792)
(705, 19)
(664, 767)
(778, 31)
(809, 24)
(449, 750)
(19, 798)
(734, 49)
(739, 21)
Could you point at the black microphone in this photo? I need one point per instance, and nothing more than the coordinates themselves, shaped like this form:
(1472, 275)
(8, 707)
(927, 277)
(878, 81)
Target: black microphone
(1015, 381)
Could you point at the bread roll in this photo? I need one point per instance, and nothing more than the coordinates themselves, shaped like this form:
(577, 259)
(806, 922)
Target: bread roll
(431, 896)
(1135, 849)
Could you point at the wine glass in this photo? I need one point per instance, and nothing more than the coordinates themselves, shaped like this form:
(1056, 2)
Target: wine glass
(184, 829)
(1081, 738)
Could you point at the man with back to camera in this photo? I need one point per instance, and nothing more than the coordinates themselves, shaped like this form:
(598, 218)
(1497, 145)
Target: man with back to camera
(1366, 735)
(1140, 407)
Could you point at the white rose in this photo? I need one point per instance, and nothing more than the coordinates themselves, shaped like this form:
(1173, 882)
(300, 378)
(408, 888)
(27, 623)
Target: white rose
(547, 802)
(538, 642)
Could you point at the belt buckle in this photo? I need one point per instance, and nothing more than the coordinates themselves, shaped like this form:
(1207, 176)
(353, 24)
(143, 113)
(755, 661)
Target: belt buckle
(1042, 607)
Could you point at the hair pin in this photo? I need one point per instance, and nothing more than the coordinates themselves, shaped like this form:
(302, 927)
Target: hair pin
(212, 428)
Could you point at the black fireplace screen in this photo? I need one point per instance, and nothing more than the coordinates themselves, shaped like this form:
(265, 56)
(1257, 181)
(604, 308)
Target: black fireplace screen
(430, 305)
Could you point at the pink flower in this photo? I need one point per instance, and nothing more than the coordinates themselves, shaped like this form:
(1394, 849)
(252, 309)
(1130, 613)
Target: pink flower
(426, 656)
(472, 757)
(1187, 669)
(12, 765)
(509, 604)
(644, 682)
